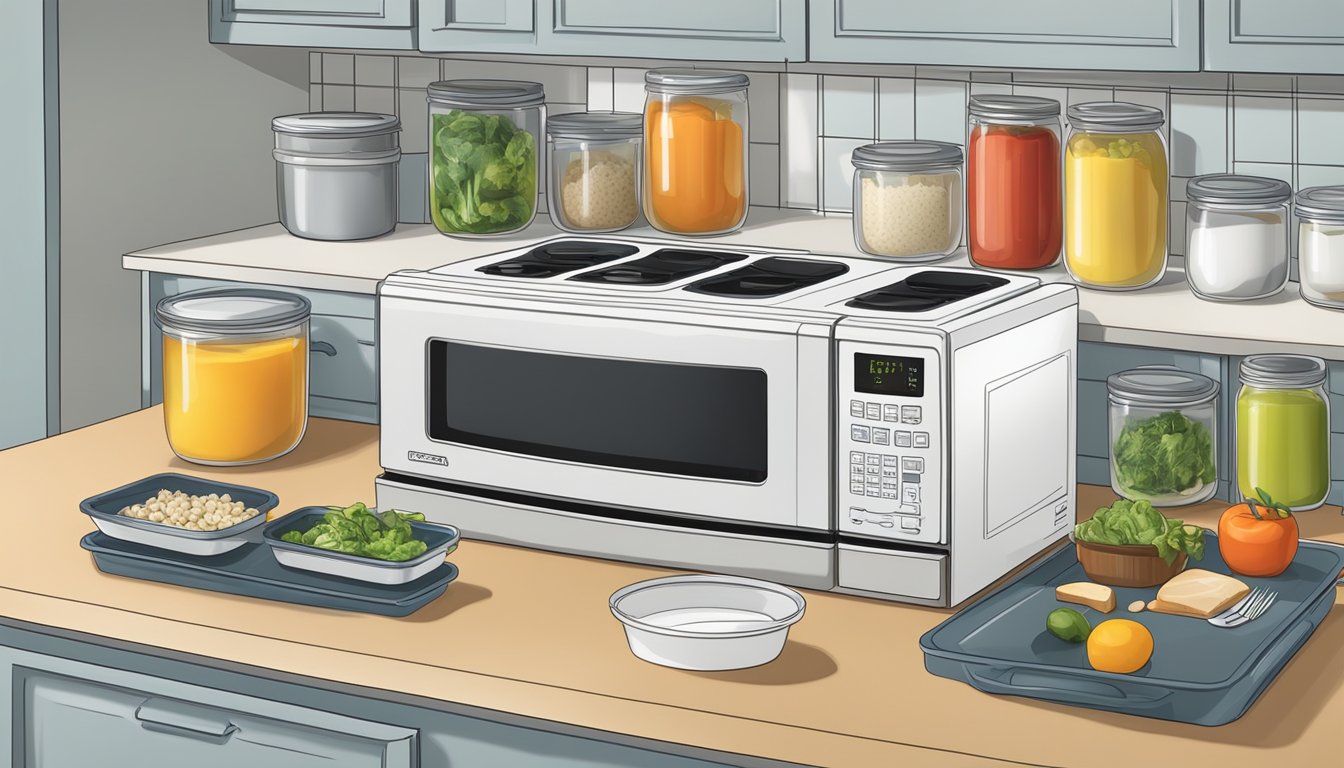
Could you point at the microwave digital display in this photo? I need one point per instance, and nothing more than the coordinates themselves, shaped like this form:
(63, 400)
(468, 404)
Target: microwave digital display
(882, 375)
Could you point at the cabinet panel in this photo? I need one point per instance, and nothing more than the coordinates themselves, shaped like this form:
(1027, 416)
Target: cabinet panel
(315, 23)
(743, 30)
(1272, 36)
(494, 26)
(1145, 35)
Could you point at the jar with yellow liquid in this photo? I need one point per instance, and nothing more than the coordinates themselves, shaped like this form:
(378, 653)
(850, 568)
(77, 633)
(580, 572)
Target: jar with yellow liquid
(1115, 196)
(235, 374)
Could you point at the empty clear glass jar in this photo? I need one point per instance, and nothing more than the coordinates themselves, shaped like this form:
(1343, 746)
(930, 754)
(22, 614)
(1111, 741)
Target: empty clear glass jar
(1283, 430)
(907, 199)
(595, 160)
(1163, 435)
(1237, 236)
(1320, 245)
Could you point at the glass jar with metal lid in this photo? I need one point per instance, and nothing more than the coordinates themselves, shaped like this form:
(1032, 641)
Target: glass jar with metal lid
(1237, 236)
(235, 374)
(1163, 435)
(594, 170)
(485, 139)
(1283, 430)
(695, 150)
(1115, 193)
(1320, 245)
(907, 199)
(1013, 200)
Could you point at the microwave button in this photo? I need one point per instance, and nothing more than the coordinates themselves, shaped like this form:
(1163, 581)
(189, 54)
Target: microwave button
(858, 434)
(890, 472)
(891, 485)
(881, 436)
(856, 488)
(912, 464)
(910, 493)
(874, 471)
(856, 457)
(856, 472)
(921, 439)
(890, 495)
(890, 461)
(910, 524)
(902, 439)
(856, 408)
(873, 459)
(875, 491)
(911, 414)
(875, 411)
(891, 413)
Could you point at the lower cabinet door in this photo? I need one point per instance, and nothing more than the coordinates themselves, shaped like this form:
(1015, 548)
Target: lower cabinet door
(68, 722)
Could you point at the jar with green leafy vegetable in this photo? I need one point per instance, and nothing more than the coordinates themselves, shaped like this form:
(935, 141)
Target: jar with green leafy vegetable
(1163, 435)
(484, 155)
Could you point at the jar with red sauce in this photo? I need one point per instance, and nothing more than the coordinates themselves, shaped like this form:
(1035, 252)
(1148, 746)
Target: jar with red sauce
(1013, 182)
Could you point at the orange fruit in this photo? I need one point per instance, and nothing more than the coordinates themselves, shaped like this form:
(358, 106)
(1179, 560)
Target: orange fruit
(1119, 645)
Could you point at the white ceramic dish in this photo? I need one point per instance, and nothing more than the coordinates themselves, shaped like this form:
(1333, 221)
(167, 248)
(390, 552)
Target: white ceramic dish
(707, 622)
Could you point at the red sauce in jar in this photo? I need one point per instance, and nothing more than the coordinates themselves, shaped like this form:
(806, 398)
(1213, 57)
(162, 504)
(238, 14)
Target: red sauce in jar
(1013, 197)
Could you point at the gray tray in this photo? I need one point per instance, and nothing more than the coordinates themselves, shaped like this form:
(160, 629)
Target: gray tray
(1199, 673)
(252, 571)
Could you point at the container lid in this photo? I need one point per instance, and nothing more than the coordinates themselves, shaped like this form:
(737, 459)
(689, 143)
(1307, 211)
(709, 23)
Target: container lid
(596, 125)
(1006, 107)
(693, 81)
(487, 94)
(1326, 203)
(232, 310)
(1282, 371)
(1115, 116)
(336, 124)
(1235, 189)
(1160, 385)
(906, 156)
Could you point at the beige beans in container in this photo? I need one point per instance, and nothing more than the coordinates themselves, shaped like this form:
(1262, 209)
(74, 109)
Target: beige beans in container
(908, 199)
(595, 164)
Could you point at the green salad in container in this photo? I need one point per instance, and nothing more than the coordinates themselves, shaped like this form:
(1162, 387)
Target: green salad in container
(1168, 454)
(483, 173)
(1138, 523)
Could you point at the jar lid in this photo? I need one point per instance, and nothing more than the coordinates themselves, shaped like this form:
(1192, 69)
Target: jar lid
(906, 156)
(342, 125)
(693, 81)
(1160, 385)
(487, 94)
(1006, 107)
(232, 310)
(1282, 371)
(596, 125)
(1107, 116)
(1236, 189)
(1321, 203)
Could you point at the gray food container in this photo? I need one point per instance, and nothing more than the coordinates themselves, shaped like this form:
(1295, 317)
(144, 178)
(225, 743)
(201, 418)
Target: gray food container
(439, 540)
(336, 174)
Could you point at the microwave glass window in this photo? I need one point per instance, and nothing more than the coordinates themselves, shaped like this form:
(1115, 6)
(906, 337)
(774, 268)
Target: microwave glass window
(694, 420)
(883, 375)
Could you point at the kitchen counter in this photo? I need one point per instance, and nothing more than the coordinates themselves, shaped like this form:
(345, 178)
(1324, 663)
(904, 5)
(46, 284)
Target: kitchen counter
(1167, 315)
(529, 633)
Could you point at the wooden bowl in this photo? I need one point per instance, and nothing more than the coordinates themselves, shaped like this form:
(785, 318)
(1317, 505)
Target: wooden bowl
(1126, 566)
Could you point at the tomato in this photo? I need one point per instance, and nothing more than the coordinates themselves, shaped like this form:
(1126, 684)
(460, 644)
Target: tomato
(1257, 539)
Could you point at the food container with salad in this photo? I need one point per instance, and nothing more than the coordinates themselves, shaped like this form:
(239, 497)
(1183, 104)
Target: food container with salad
(355, 542)
(1163, 435)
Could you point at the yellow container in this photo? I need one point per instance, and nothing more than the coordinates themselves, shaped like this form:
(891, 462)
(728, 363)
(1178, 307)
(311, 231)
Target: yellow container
(235, 374)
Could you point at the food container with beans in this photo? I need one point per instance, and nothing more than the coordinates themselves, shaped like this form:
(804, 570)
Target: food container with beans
(182, 513)
(907, 199)
(595, 160)
(1320, 245)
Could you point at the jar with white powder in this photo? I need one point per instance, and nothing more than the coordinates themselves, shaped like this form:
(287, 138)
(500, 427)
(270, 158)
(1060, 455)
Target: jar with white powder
(595, 160)
(1237, 236)
(1320, 245)
(908, 199)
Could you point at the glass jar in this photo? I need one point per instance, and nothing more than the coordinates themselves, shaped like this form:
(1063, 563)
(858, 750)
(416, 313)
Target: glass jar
(1115, 196)
(1237, 236)
(235, 374)
(695, 150)
(595, 158)
(1163, 435)
(907, 199)
(1283, 430)
(484, 155)
(1320, 245)
(1013, 180)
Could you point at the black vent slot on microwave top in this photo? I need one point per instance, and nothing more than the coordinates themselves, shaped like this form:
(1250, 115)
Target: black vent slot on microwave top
(661, 267)
(927, 290)
(771, 276)
(558, 257)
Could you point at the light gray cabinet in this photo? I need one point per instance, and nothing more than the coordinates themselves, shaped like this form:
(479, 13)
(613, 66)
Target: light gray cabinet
(1159, 35)
(1272, 36)
(492, 26)
(315, 23)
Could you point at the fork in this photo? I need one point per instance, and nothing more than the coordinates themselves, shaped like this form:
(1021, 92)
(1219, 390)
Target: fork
(1249, 608)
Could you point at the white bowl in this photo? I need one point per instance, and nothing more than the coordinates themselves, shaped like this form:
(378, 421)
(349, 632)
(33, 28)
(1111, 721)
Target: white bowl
(707, 622)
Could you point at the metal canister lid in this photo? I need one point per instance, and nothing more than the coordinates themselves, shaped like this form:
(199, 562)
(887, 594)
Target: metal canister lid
(487, 94)
(693, 81)
(596, 125)
(343, 125)
(1282, 371)
(1321, 204)
(907, 156)
(1115, 116)
(1236, 189)
(1009, 107)
(1161, 386)
(232, 311)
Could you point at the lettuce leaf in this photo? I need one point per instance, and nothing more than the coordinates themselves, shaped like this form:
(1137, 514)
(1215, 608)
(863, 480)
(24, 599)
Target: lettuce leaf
(483, 173)
(1128, 523)
(1164, 454)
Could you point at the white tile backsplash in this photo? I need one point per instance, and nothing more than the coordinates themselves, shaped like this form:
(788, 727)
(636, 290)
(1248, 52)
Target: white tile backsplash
(1198, 133)
(1320, 127)
(370, 98)
(627, 90)
(375, 70)
(895, 108)
(416, 71)
(763, 163)
(837, 187)
(599, 91)
(763, 105)
(798, 145)
(848, 107)
(940, 111)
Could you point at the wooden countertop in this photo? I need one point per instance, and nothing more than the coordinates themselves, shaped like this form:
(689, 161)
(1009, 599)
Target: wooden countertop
(528, 632)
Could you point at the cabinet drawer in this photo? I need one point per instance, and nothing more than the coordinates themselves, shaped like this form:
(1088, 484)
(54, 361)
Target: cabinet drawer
(743, 30)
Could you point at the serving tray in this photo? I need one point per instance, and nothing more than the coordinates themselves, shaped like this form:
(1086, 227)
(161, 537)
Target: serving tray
(252, 571)
(1198, 674)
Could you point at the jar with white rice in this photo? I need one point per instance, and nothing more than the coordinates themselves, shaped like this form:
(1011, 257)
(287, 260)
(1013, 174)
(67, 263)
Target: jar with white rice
(908, 199)
(1237, 236)
(1320, 245)
(595, 161)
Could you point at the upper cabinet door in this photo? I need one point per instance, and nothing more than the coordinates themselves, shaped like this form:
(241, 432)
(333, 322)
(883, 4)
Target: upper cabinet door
(1274, 36)
(315, 23)
(1027, 34)
(486, 26)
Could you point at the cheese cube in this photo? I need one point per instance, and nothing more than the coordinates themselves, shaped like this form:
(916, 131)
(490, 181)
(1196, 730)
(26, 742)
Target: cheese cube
(1098, 596)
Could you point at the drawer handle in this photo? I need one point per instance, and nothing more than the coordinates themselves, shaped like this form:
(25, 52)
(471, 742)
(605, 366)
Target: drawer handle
(170, 717)
(323, 347)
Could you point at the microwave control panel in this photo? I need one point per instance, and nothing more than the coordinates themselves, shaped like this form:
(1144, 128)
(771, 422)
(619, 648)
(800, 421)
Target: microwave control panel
(890, 443)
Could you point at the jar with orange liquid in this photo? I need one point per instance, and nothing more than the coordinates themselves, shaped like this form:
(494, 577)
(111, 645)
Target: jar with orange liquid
(235, 374)
(695, 151)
